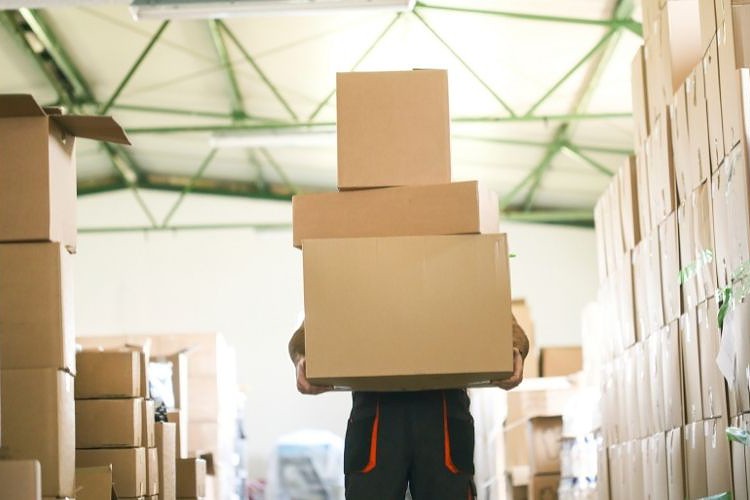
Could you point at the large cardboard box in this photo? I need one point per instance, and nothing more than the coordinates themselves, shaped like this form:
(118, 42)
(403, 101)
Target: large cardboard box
(38, 423)
(179, 419)
(128, 467)
(713, 105)
(670, 268)
(712, 381)
(108, 374)
(109, 423)
(560, 361)
(392, 128)
(718, 458)
(680, 49)
(152, 471)
(95, 483)
(544, 436)
(37, 317)
(695, 91)
(544, 486)
(21, 480)
(455, 208)
(191, 477)
(639, 88)
(614, 225)
(691, 366)
(628, 186)
(447, 298)
(38, 169)
(695, 460)
(670, 364)
(166, 451)
(675, 465)
(684, 164)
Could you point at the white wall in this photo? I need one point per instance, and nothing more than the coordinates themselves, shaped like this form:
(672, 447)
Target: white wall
(248, 285)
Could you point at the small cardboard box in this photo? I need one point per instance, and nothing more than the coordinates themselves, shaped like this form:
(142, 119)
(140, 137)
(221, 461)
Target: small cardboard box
(543, 486)
(639, 89)
(393, 128)
(713, 105)
(691, 366)
(675, 465)
(152, 471)
(560, 361)
(108, 374)
(718, 459)
(695, 92)
(674, 405)
(447, 297)
(544, 436)
(670, 268)
(455, 208)
(38, 169)
(191, 477)
(128, 467)
(713, 388)
(180, 420)
(628, 186)
(166, 451)
(695, 460)
(21, 480)
(109, 423)
(38, 423)
(95, 483)
(684, 163)
(147, 427)
(37, 315)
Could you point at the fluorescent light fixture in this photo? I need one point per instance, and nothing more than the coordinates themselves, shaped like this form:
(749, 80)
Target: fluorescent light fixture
(208, 9)
(286, 138)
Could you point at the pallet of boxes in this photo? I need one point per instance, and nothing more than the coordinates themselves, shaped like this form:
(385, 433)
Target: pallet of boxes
(673, 232)
(37, 243)
(406, 280)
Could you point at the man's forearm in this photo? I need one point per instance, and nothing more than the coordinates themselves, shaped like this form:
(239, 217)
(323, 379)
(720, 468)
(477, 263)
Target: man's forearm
(520, 341)
(297, 344)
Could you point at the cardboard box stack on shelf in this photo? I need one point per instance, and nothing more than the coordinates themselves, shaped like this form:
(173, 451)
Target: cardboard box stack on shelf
(665, 402)
(37, 240)
(399, 227)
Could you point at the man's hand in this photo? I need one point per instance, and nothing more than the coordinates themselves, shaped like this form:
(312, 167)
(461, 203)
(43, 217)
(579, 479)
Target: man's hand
(303, 385)
(517, 377)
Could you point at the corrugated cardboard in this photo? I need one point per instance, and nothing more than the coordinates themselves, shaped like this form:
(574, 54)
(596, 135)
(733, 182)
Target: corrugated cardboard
(684, 163)
(718, 459)
(661, 169)
(448, 292)
(713, 105)
(21, 480)
(38, 170)
(675, 465)
(191, 477)
(674, 405)
(712, 381)
(739, 472)
(152, 471)
(695, 460)
(703, 242)
(166, 450)
(109, 423)
(626, 179)
(670, 268)
(392, 128)
(639, 89)
(457, 208)
(128, 467)
(691, 366)
(38, 423)
(560, 361)
(544, 486)
(180, 420)
(147, 427)
(37, 315)
(544, 436)
(102, 374)
(695, 91)
(95, 483)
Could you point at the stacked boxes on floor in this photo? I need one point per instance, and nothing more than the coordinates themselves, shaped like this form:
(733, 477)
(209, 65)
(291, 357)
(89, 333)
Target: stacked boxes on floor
(684, 198)
(37, 240)
(401, 256)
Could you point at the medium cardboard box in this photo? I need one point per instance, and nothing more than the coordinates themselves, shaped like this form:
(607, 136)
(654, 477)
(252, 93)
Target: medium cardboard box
(393, 128)
(691, 366)
(703, 242)
(166, 451)
(731, 104)
(625, 303)
(661, 169)
(707, 14)
(544, 436)
(109, 423)
(718, 459)
(38, 168)
(614, 225)
(128, 467)
(688, 272)
(22, 480)
(739, 471)
(139, 344)
(684, 162)
(655, 79)
(639, 90)
(640, 288)
(626, 179)
(695, 460)
(601, 237)
(657, 460)
(152, 471)
(103, 374)
(695, 91)
(653, 283)
(560, 361)
(642, 187)
(38, 423)
(674, 405)
(656, 382)
(736, 183)
(455, 208)
(643, 376)
(147, 427)
(539, 397)
(544, 486)
(634, 466)
(191, 477)
(680, 48)
(675, 465)
(635, 393)
(435, 289)
(712, 381)
(602, 474)
(670, 268)
(37, 315)
(713, 105)
(95, 483)
(180, 420)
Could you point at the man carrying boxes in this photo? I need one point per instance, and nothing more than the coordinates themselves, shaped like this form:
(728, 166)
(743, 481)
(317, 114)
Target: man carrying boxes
(407, 291)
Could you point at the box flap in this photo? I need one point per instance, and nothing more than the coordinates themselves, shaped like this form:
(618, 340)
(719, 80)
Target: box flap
(53, 110)
(103, 128)
(15, 105)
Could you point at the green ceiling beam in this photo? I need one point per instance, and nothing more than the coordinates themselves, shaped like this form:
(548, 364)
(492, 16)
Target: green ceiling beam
(100, 185)
(185, 227)
(573, 217)
(576, 151)
(364, 55)
(126, 79)
(542, 144)
(258, 70)
(497, 97)
(237, 103)
(280, 171)
(242, 189)
(564, 117)
(171, 111)
(189, 186)
(544, 166)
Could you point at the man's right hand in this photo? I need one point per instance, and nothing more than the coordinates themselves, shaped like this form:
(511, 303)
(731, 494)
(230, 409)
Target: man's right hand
(303, 385)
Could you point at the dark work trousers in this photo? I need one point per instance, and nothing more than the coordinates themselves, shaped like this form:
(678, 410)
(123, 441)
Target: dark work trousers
(420, 440)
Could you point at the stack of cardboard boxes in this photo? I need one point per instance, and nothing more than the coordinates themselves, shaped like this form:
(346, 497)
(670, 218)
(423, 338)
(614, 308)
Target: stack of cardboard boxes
(672, 234)
(401, 265)
(37, 240)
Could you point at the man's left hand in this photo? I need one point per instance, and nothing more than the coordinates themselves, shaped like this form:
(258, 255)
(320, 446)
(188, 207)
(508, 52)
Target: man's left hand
(517, 377)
